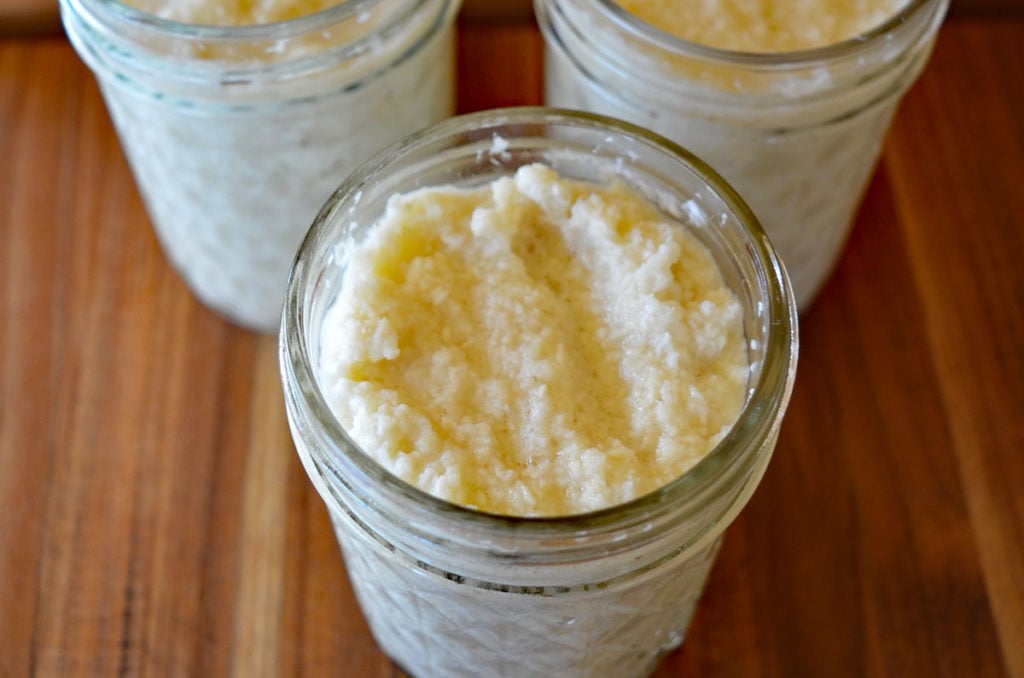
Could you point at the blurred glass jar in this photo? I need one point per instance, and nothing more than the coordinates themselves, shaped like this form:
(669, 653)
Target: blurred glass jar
(237, 134)
(451, 591)
(796, 133)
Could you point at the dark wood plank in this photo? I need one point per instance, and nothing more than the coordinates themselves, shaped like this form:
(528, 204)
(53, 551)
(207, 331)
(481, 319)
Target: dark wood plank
(957, 155)
(499, 65)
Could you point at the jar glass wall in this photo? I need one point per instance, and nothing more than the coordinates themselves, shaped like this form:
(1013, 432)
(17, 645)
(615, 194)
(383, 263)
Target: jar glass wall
(448, 590)
(797, 133)
(237, 134)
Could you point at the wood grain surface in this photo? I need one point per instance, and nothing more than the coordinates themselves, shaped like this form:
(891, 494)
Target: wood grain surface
(155, 521)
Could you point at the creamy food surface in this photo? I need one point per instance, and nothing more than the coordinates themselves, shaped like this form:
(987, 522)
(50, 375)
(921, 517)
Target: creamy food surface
(764, 25)
(534, 346)
(231, 12)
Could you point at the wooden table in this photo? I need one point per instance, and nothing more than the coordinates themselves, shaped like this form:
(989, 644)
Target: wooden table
(154, 518)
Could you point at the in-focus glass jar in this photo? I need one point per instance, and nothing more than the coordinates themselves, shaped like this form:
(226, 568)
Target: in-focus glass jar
(796, 133)
(237, 135)
(451, 591)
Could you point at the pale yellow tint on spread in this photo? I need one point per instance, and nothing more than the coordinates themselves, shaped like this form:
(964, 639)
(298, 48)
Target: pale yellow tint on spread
(536, 346)
(231, 12)
(764, 25)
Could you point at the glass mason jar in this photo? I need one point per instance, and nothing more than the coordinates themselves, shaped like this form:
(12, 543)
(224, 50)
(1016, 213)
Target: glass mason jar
(237, 135)
(452, 591)
(796, 133)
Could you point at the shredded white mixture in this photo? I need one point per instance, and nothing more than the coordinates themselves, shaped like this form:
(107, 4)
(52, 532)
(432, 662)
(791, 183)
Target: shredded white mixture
(535, 346)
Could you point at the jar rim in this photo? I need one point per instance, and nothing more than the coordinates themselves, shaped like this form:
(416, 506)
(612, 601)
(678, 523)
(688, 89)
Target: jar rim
(245, 65)
(300, 25)
(759, 419)
(801, 58)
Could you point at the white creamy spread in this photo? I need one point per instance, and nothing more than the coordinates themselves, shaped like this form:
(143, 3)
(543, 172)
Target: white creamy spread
(534, 346)
(764, 25)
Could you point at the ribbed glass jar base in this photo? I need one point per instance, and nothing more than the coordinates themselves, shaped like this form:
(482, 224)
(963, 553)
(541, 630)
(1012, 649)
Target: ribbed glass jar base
(619, 630)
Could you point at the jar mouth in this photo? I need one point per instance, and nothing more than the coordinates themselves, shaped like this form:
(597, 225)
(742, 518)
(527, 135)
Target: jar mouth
(336, 49)
(758, 421)
(275, 30)
(803, 58)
